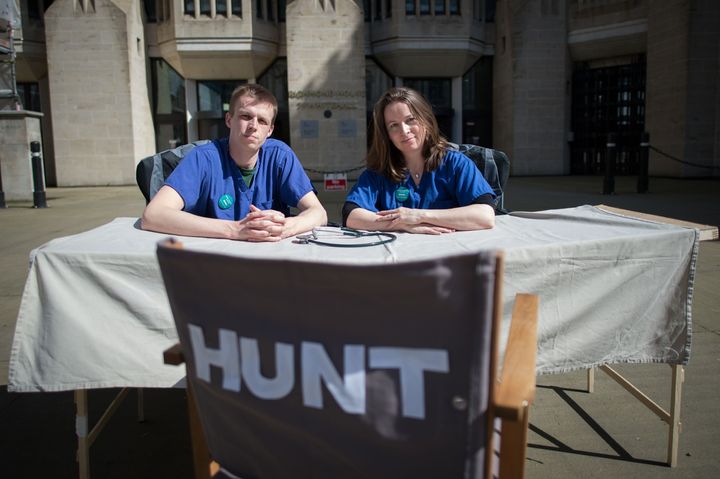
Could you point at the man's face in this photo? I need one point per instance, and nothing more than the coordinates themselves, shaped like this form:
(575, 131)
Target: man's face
(250, 123)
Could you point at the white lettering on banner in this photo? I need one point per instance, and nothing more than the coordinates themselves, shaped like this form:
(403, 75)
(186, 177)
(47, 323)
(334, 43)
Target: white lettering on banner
(225, 358)
(316, 365)
(412, 364)
(240, 357)
(264, 388)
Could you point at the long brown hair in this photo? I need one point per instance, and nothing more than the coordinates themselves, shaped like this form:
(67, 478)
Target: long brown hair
(384, 157)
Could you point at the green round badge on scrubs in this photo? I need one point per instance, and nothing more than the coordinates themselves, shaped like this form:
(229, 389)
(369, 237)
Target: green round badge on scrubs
(401, 194)
(225, 202)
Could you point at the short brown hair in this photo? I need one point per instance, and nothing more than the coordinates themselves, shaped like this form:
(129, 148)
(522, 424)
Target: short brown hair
(259, 92)
(383, 157)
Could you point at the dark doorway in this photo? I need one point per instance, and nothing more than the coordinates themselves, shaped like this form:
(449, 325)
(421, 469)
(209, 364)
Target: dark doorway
(609, 99)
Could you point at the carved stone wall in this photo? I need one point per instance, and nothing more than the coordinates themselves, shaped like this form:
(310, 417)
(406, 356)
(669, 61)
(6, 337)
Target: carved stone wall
(326, 84)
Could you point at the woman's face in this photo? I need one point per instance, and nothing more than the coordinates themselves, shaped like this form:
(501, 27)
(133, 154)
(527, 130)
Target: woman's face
(404, 129)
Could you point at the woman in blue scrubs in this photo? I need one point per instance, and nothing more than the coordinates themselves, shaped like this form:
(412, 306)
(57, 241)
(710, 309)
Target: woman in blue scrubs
(414, 182)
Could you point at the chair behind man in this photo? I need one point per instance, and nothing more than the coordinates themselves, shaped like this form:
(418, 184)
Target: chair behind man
(151, 172)
(332, 370)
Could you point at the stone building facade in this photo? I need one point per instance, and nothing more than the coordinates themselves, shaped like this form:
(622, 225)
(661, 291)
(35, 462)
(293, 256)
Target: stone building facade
(545, 80)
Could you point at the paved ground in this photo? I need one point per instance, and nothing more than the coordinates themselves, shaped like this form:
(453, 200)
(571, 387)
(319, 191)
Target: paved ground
(573, 433)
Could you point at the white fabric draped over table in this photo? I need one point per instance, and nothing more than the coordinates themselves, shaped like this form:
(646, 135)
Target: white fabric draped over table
(612, 289)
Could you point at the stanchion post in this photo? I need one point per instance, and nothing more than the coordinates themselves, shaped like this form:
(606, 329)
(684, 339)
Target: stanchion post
(2, 194)
(609, 181)
(642, 185)
(39, 200)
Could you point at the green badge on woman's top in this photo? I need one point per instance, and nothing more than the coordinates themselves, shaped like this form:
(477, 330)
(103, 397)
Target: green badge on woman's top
(225, 202)
(401, 194)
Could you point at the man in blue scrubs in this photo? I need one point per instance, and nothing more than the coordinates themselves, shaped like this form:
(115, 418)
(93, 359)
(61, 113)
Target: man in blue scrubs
(240, 187)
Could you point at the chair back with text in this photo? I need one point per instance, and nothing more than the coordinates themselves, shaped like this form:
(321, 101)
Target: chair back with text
(326, 370)
(151, 172)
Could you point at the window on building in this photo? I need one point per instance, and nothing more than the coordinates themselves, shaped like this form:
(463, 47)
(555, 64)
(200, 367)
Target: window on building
(36, 9)
(490, 10)
(438, 91)
(433, 7)
(607, 99)
(169, 107)
(214, 95)
(270, 10)
(29, 94)
(275, 80)
(410, 7)
(259, 8)
(377, 10)
(221, 7)
(149, 6)
(213, 101)
(477, 103)
(237, 8)
(189, 7)
(454, 7)
(282, 5)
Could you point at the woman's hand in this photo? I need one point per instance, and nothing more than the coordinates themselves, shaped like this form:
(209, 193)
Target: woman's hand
(427, 229)
(410, 220)
(402, 215)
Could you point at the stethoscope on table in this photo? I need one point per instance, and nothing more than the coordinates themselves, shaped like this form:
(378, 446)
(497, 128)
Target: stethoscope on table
(315, 237)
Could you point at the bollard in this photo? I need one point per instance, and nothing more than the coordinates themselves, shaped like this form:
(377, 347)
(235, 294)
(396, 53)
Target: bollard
(37, 173)
(642, 184)
(2, 194)
(609, 181)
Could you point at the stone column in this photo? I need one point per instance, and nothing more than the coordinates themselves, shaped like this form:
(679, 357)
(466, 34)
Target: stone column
(683, 71)
(98, 91)
(17, 130)
(326, 83)
(531, 94)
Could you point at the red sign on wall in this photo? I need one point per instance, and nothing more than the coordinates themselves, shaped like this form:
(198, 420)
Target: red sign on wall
(335, 182)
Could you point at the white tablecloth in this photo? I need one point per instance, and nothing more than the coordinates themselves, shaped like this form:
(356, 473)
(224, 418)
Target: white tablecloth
(612, 289)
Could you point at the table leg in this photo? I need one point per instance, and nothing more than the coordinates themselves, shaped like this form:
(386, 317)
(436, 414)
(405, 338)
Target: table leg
(671, 418)
(85, 434)
(141, 404)
(591, 380)
(678, 377)
(81, 431)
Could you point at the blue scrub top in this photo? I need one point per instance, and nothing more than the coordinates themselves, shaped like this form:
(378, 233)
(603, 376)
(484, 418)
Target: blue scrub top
(211, 184)
(456, 182)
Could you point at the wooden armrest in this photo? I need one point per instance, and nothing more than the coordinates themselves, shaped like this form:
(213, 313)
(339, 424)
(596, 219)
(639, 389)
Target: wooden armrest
(516, 390)
(174, 355)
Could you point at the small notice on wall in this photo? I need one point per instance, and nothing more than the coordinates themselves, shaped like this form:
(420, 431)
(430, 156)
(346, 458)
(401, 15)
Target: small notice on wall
(335, 182)
(309, 128)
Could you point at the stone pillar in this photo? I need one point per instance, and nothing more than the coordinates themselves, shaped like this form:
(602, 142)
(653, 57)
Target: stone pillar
(17, 130)
(683, 72)
(667, 84)
(457, 106)
(98, 91)
(326, 83)
(531, 94)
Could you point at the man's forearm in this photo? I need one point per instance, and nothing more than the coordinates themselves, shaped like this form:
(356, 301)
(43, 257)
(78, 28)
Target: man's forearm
(165, 220)
(305, 221)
